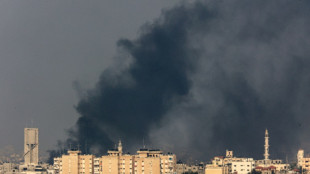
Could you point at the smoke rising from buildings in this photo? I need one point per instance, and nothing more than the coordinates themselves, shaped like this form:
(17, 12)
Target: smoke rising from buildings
(205, 77)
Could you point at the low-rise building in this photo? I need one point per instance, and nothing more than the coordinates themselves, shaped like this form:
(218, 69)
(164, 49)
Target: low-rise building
(302, 161)
(185, 168)
(242, 167)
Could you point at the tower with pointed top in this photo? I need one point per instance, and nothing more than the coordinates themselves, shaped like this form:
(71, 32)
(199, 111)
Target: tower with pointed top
(120, 147)
(266, 154)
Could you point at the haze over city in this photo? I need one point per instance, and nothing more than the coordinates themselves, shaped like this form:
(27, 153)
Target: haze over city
(190, 77)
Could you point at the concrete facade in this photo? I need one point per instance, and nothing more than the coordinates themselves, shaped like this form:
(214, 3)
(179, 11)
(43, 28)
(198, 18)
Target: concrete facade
(31, 146)
(243, 167)
(145, 161)
(302, 161)
(74, 163)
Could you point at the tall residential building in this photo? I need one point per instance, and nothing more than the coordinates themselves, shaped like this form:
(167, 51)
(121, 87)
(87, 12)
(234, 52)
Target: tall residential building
(116, 162)
(145, 161)
(31, 146)
(74, 163)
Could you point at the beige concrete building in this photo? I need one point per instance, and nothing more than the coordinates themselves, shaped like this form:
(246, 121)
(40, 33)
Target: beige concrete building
(147, 162)
(210, 169)
(117, 162)
(74, 163)
(31, 146)
(97, 165)
(243, 167)
(144, 162)
(219, 165)
(302, 161)
(306, 163)
(230, 164)
(300, 156)
(185, 168)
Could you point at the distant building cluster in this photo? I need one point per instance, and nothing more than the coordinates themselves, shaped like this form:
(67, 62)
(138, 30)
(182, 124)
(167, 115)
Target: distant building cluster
(234, 165)
(31, 164)
(145, 161)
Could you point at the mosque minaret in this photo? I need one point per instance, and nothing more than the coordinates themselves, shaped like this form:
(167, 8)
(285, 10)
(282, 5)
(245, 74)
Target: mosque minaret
(266, 154)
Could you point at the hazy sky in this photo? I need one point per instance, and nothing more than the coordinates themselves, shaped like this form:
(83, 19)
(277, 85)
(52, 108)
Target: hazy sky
(46, 46)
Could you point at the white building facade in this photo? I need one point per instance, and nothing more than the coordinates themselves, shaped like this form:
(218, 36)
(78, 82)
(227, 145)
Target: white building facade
(243, 167)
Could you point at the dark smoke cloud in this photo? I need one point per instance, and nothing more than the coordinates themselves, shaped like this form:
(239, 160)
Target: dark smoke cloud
(127, 103)
(205, 77)
(253, 74)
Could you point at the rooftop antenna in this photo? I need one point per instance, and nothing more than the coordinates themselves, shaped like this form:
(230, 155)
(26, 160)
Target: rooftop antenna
(143, 143)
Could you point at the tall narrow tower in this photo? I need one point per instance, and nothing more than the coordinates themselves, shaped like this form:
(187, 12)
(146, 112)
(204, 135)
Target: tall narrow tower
(266, 155)
(31, 146)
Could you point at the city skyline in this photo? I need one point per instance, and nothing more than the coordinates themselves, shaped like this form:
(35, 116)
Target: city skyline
(192, 77)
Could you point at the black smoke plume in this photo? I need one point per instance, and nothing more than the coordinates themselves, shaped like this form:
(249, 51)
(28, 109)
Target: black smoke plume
(127, 103)
(205, 77)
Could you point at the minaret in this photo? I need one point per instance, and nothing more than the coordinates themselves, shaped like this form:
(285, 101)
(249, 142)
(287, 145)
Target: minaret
(120, 147)
(266, 155)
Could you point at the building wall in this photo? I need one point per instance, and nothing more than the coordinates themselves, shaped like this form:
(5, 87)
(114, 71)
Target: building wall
(97, 165)
(126, 164)
(57, 164)
(218, 161)
(145, 162)
(305, 163)
(180, 168)
(110, 164)
(144, 165)
(86, 164)
(214, 170)
(74, 163)
(243, 167)
(300, 156)
(168, 163)
(70, 163)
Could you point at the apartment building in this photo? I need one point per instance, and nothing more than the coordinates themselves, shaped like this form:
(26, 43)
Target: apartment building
(243, 167)
(74, 163)
(145, 161)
